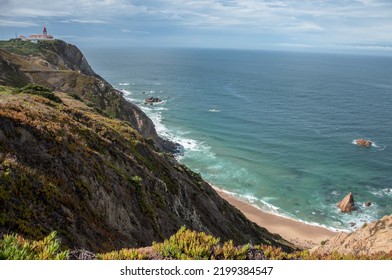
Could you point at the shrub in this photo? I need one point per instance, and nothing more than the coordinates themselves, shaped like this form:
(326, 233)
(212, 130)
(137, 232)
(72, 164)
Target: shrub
(15, 247)
(41, 91)
(75, 96)
(136, 179)
(231, 252)
(187, 244)
(123, 254)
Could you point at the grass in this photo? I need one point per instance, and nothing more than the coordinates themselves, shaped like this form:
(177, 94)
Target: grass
(21, 47)
(7, 90)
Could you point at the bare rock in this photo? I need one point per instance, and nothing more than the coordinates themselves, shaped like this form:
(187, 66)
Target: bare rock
(81, 254)
(372, 238)
(347, 204)
(367, 204)
(364, 142)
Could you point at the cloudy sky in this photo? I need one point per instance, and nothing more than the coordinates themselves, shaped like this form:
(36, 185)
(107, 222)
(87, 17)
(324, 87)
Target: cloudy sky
(357, 25)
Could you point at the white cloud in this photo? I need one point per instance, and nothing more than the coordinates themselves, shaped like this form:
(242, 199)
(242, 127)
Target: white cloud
(13, 23)
(305, 27)
(324, 21)
(90, 21)
(134, 31)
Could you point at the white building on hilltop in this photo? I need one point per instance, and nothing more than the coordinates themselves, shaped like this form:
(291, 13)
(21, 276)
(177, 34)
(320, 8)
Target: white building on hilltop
(38, 37)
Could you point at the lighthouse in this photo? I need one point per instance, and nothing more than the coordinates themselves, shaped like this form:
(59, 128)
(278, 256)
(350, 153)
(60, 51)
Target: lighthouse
(45, 33)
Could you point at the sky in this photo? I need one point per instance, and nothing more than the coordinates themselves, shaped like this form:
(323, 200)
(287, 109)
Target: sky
(314, 25)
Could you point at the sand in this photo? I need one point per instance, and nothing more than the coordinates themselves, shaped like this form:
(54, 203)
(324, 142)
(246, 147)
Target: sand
(300, 234)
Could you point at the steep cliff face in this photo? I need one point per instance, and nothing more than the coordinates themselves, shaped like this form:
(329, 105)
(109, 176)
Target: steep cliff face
(11, 74)
(63, 67)
(372, 238)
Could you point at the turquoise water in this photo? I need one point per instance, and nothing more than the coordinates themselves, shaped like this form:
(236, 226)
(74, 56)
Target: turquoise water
(274, 128)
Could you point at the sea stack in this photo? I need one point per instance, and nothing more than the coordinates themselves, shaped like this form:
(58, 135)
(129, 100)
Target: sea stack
(364, 143)
(347, 204)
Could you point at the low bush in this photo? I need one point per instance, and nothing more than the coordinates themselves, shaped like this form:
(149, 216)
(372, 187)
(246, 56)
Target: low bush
(41, 91)
(15, 247)
(187, 244)
(123, 254)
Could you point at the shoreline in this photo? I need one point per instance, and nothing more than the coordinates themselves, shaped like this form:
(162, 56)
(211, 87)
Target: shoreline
(302, 235)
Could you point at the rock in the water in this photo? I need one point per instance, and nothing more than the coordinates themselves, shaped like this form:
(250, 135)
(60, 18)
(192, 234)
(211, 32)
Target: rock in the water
(347, 204)
(363, 142)
(367, 204)
(151, 100)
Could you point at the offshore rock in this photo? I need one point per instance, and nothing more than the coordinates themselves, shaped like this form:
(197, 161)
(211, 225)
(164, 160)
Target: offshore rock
(151, 100)
(347, 204)
(364, 143)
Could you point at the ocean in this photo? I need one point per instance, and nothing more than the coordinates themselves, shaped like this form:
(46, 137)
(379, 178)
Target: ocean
(275, 129)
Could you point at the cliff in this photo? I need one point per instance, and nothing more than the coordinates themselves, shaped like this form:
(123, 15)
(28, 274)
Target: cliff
(62, 67)
(85, 162)
(371, 239)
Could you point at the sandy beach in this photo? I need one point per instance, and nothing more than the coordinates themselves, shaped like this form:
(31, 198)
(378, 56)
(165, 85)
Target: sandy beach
(300, 234)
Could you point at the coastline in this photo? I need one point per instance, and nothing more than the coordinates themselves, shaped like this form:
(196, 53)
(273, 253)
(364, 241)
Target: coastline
(302, 235)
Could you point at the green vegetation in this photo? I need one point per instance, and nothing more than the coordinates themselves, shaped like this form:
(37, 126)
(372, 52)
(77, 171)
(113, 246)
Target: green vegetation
(231, 252)
(192, 245)
(15, 247)
(123, 254)
(183, 245)
(41, 91)
(21, 47)
(187, 244)
(7, 90)
(32, 89)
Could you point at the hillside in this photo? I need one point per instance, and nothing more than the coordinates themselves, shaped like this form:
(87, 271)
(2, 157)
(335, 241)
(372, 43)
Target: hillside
(62, 67)
(90, 164)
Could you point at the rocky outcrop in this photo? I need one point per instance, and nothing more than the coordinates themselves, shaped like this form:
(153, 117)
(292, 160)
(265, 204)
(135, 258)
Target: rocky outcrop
(367, 204)
(66, 57)
(364, 143)
(347, 204)
(11, 73)
(372, 238)
(151, 100)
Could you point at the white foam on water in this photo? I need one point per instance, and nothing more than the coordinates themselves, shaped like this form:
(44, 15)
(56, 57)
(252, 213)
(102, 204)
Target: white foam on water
(382, 192)
(125, 92)
(155, 114)
(123, 84)
(214, 110)
(267, 207)
(355, 219)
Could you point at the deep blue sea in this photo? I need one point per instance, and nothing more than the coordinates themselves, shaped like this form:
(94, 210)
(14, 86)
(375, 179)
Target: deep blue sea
(275, 129)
